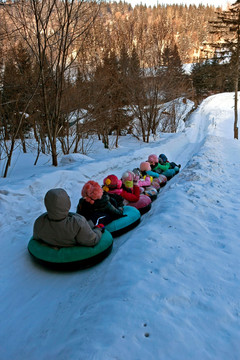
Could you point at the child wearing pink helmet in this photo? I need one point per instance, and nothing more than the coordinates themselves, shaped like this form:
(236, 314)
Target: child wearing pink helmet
(145, 184)
(132, 193)
(159, 180)
(128, 189)
(156, 166)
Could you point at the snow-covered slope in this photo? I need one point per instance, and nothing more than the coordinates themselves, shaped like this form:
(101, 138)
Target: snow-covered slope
(170, 288)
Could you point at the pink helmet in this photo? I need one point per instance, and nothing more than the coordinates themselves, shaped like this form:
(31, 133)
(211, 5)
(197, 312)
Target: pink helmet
(145, 166)
(127, 176)
(92, 191)
(153, 158)
(127, 179)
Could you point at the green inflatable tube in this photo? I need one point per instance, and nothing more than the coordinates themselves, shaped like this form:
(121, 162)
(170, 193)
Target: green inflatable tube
(71, 258)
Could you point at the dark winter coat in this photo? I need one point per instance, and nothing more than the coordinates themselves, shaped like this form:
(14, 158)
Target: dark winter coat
(103, 210)
(58, 227)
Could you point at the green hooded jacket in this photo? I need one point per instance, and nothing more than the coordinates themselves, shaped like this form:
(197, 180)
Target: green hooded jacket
(164, 167)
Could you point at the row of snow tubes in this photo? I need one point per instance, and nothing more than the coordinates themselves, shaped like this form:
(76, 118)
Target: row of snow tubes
(80, 257)
(170, 173)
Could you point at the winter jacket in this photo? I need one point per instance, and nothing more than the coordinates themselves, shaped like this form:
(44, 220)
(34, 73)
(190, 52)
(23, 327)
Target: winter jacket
(58, 227)
(154, 174)
(131, 195)
(116, 200)
(102, 208)
(160, 168)
(144, 182)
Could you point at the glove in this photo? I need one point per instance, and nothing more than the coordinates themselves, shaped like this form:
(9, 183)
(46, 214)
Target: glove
(101, 227)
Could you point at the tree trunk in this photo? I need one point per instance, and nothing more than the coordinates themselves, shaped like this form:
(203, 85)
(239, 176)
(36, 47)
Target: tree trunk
(236, 84)
(23, 144)
(38, 153)
(105, 142)
(117, 137)
(236, 109)
(54, 153)
(9, 158)
(77, 139)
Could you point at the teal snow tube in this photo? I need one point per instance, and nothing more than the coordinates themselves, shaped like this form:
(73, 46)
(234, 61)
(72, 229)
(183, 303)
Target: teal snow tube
(176, 169)
(72, 257)
(120, 226)
(169, 173)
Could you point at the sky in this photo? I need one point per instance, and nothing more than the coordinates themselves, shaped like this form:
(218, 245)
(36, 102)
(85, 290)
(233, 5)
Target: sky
(187, 2)
(170, 287)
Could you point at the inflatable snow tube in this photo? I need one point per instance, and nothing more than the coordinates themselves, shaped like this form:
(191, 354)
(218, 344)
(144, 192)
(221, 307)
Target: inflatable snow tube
(162, 180)
(143, 204)
(156, 184)
(169, 173)
(176, 169)
(122, 225)
(174, 166)
(151, 192)
(71, 258)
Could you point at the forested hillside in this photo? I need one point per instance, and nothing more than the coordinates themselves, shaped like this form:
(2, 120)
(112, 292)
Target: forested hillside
(151, 29)
(70, 70)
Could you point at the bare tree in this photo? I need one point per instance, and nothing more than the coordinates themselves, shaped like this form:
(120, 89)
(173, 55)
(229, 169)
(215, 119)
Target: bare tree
(54, 30)
(16, 94)
(145, 105)
(152, 87)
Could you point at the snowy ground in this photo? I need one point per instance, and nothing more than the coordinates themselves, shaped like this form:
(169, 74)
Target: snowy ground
(170, 288)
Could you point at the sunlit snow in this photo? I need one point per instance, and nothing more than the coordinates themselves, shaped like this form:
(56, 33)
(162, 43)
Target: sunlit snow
(170, 288)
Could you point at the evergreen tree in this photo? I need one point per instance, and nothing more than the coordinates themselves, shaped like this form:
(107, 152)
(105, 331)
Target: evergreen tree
(172, 74)
(108, 96)
(227, 27)
(16, 96)
(17, 88)
(176, 63)
(124, 61)
(135, 78)
(166, 56)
